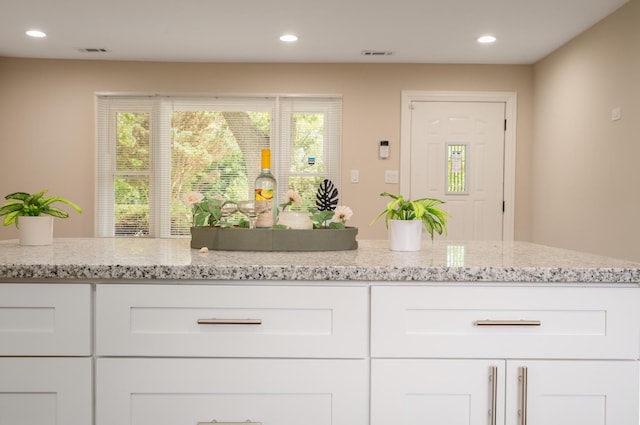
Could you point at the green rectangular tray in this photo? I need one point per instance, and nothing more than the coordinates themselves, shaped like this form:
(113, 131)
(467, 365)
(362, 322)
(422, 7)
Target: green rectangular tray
(242, 239)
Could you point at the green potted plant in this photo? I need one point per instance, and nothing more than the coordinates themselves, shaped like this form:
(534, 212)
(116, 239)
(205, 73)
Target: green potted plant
(405, 219)
(33, 215)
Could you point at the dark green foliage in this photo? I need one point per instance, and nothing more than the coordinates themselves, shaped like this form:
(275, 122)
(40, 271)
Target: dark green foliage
(327, 196)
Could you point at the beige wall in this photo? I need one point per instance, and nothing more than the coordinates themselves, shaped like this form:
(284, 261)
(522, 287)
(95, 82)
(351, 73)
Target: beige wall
(47, 119)
(586, 174)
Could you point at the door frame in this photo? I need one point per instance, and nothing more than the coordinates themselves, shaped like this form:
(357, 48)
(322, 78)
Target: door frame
(510, 100)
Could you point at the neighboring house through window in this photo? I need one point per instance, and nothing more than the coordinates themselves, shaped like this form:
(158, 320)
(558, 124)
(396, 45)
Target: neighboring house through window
(153, 149)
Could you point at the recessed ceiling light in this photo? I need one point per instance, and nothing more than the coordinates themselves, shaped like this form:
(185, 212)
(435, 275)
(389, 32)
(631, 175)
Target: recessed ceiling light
(36, 34)
(486, 39)
(289, 38)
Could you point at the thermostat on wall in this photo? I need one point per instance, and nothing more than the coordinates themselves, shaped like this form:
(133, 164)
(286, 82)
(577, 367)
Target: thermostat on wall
(384, 149)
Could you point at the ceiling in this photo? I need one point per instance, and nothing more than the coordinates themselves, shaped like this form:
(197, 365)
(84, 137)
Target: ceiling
(415, 31)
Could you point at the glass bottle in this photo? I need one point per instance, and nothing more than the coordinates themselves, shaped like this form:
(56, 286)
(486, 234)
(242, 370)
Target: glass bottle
(265, 187)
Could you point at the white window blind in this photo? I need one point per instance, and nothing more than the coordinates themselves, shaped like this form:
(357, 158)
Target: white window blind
(152, 150)
(310, 128)
(124, 166)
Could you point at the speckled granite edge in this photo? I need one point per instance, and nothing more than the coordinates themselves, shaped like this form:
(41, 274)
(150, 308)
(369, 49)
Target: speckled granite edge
(324, 273)
(172, 260)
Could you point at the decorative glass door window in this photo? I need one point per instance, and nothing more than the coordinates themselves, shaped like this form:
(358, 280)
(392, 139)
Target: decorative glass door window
(456, 179)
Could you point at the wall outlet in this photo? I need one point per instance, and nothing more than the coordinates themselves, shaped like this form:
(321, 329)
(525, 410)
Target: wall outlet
(391, 176)
(616, 114)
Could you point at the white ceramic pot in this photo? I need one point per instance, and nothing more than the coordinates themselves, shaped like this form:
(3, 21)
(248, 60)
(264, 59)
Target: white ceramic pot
(295, 220)
(405, 235)
(35, 230)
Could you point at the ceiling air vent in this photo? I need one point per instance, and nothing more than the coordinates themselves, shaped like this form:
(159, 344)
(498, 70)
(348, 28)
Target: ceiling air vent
(92, 50)
(376, 53)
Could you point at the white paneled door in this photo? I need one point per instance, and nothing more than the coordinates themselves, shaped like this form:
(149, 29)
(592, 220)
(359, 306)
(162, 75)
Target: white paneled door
(457, 155)
(503, 392)
(572, 392)
(437, 392)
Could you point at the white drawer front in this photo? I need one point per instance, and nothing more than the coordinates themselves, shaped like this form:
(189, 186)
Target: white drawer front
(45, 391)
(257, 321)
(505, 322)
(269, 392)
(45, 320)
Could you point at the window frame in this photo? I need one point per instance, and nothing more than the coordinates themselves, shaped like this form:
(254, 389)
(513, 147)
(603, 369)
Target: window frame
(161, 107)
(332, 157)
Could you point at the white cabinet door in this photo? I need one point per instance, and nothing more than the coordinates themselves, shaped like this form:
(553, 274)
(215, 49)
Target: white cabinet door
(45, 391)
(462, 392)
(437, 392)
(268, 391)
(573, 392)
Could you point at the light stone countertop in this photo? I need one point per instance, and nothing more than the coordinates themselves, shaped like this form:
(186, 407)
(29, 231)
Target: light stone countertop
(173, 259)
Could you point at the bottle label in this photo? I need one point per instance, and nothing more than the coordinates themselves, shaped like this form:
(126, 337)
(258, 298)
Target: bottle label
(264, 202)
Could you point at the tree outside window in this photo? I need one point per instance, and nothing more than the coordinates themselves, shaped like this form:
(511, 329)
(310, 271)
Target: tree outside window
(162, 154)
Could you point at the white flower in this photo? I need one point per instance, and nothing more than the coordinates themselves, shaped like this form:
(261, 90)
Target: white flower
(191, 198)
(342, 213)
(293, 197)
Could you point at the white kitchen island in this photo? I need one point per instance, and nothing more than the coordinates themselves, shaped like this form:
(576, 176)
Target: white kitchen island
(151, 332)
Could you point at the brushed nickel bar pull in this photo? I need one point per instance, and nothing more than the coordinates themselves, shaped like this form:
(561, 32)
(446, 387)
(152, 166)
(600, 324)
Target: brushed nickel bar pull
(229, 322)
(508, 323)
(522, 377)
(493, 378)
(229, 423)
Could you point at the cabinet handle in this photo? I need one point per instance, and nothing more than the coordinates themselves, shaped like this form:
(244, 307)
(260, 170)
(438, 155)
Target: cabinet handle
(229, 423)
(522, 377)
(508, 323)
(493, 378)
(229, 322)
